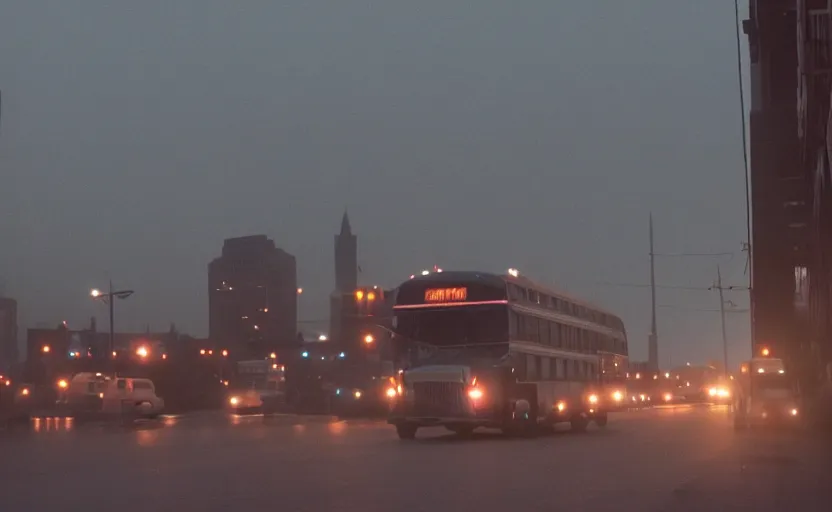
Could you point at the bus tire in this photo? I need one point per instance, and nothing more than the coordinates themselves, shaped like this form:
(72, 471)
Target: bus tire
(406, 431)
(601, 419)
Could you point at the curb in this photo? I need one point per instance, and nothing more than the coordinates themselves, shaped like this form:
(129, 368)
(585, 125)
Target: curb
(309, 418)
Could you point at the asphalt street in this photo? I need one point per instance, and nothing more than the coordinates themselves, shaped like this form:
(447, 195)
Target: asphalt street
(676, 458)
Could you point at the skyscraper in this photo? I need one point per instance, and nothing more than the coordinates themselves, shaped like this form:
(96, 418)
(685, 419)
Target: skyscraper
(346, 280)
(346, 258)
(252, 296)
(8, 333)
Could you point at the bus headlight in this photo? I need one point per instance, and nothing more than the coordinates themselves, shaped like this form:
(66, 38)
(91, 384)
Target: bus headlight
(475, 394)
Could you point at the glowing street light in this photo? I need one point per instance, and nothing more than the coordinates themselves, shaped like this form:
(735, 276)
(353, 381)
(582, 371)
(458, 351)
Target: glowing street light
(46, 349)
(109, 299)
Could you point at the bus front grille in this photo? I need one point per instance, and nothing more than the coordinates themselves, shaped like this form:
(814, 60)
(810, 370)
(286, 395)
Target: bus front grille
(438, 398)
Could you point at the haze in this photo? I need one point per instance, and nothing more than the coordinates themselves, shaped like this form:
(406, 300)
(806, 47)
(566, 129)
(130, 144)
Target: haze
(136, 137)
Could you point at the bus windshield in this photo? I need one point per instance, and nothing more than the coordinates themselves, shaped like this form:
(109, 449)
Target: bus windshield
(467, 325)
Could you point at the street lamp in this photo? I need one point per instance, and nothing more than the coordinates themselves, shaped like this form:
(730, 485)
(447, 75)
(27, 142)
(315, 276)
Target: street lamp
(109, 298)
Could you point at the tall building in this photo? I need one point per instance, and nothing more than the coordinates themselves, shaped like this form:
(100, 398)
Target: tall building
(346, 258)
(346, 279)
(8, 333)
(252, 296)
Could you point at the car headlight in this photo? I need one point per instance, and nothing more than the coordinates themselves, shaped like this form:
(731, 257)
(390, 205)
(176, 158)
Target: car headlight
(617, 396)
(593, 399)
(233, 400)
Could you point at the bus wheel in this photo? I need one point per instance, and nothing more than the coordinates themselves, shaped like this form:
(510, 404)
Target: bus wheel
(601, 419)
(406, 431)
(579, 424)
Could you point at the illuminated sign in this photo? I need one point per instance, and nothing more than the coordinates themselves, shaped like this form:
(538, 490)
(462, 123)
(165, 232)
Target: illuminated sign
(446, 294)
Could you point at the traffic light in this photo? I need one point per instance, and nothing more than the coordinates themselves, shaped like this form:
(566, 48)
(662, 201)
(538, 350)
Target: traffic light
(369, 300)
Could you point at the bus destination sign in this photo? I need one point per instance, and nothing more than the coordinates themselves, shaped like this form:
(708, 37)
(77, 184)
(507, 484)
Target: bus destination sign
(446, 294)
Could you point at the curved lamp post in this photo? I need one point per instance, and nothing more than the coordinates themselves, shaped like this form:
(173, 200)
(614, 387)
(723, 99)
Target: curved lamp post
(109, 298)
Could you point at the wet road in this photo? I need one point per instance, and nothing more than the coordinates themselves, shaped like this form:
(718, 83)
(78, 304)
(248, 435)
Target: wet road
(682, 458)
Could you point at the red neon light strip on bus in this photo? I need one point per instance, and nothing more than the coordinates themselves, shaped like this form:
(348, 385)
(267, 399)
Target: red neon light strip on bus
(450, 304)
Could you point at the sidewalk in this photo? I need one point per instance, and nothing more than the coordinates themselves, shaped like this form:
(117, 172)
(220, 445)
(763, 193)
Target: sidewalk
(766, 471)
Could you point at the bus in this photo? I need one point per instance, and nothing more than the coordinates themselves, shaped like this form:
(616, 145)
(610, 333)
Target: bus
(497, 351)
(257, 387)
(614, 378)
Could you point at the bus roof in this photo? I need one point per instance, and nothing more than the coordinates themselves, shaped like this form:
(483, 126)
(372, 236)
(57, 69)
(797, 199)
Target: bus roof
(549, 290)
(500, 280)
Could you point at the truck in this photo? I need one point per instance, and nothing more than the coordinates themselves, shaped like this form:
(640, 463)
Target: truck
(764, 395)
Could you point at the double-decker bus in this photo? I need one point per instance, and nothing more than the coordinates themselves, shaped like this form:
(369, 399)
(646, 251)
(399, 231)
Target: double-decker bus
(498, 351)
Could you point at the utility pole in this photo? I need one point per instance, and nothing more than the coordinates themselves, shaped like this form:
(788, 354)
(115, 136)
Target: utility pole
(722, 319)
(652, 340)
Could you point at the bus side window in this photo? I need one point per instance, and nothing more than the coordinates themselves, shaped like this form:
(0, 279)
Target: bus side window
(520, 367)
(514, 325)
(531, 368)
(545, 368)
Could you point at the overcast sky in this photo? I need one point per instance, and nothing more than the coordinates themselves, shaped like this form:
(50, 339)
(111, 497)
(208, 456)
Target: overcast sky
(136, 136)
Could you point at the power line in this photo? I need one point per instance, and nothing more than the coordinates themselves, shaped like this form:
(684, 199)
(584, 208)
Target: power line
(693, 254)
(665, 287)
(702, 310)
(746, 167)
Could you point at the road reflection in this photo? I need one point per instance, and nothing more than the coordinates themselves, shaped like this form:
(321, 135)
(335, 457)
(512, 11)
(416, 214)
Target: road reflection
(52, 424)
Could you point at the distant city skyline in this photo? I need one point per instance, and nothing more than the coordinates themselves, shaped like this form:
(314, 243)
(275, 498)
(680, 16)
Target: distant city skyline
(135, 140)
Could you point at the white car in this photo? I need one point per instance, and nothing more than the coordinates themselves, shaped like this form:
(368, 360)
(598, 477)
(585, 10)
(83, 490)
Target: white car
(131, 396)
